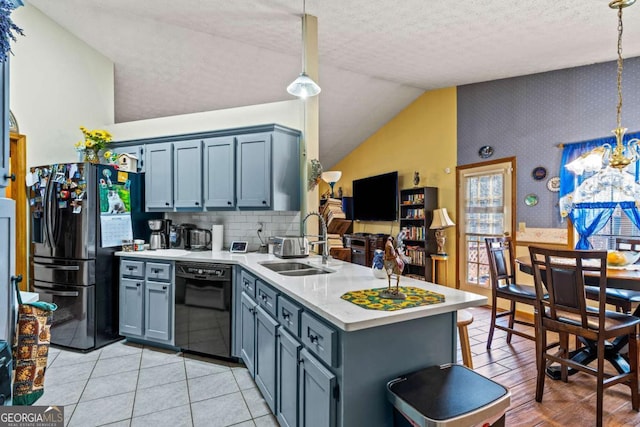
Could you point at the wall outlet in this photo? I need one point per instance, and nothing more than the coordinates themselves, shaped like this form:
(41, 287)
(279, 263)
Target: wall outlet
(522, 227)
(260, 226)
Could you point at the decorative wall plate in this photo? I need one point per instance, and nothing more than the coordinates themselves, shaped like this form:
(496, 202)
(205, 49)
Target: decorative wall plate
(539, 173)
(553, 184)
(485, 151)
(531, 199)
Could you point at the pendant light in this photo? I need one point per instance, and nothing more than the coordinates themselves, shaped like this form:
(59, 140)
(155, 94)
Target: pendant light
(304, 86)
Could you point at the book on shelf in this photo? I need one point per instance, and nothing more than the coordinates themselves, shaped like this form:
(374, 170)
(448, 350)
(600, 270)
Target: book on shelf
(335, 241)
(334, 217)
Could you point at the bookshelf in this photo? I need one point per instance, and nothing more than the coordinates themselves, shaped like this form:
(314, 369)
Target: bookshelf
(416, 212)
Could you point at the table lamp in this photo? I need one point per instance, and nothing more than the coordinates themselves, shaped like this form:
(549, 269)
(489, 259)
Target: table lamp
(331, 177)
(441, 221)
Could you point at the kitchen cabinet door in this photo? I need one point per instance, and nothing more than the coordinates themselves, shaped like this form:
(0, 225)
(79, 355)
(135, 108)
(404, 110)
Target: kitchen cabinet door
(288, 349)
(159, 176)
(253, 171)
(158, 305)
(317, 405)
(219, 172)
(133, 150)
(247, 331)
(4, 124)
(7, 268)
(187, 175)
(265, 357)
(131, 307)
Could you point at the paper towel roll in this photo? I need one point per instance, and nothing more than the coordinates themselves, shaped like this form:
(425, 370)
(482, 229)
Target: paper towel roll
(217, 237)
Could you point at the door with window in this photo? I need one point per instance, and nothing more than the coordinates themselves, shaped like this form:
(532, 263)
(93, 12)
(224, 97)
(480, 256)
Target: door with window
(485, 208)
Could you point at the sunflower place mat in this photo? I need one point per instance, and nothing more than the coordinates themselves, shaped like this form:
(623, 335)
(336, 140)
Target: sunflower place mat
(371, 300)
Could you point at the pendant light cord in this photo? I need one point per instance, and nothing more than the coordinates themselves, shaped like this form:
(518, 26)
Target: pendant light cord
(304, 36)
(619, 106)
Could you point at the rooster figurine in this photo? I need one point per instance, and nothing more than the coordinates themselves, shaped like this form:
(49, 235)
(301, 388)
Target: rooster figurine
(393, 264)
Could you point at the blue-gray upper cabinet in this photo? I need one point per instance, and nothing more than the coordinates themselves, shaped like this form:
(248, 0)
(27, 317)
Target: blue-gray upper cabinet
(132, 150)
(4, 125)
(268, 171)
(187, 175)
(253, 171)
(159, 176)
(219, 181)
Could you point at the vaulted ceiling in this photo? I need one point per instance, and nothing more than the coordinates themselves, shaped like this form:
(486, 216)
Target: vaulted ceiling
(376, 56)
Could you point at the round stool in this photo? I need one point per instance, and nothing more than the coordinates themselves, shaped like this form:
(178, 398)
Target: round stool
(465, 318)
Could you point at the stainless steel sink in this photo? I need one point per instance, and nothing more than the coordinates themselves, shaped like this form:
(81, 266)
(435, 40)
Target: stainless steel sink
(293, 268)
(307, 272)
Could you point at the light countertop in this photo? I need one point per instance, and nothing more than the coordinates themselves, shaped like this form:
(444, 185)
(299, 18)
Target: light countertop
(321, 293)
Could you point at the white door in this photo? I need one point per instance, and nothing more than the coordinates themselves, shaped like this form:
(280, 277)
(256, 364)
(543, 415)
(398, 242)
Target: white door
(485, 208)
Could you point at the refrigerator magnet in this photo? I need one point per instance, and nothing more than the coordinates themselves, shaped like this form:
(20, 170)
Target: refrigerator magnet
(62, 204)
(77, 209)
(127, 184)
(123, 176)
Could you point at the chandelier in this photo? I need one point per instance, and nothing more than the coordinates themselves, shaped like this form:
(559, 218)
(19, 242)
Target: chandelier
(607, 159)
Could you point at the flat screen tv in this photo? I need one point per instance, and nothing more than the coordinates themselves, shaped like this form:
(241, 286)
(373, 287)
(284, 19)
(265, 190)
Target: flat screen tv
(376, 198)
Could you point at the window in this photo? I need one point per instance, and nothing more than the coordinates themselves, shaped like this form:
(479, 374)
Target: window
(619, 225)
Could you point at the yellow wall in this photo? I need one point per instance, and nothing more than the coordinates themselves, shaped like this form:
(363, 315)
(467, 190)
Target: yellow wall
(421, 138)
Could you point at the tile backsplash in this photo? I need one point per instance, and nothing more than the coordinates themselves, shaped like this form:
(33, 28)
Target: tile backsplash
(243, 225)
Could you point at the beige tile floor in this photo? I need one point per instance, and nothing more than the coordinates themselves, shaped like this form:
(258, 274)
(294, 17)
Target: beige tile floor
(132, 385)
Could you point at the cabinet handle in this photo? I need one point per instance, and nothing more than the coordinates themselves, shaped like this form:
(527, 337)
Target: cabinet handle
(313, 339)
(12, 177)
(263, 297)
(251, 310)
(285, 315)
(264, 202)
(138, 285)
(166, 203)
(197, 203)
(229, 203)
(164, 288)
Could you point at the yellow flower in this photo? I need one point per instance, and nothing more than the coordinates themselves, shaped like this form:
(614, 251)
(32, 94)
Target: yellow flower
(90, 143)
(360, 301)
(371, 293)
(413, 298)
(107, 154)
(386, 301)
(375, 305)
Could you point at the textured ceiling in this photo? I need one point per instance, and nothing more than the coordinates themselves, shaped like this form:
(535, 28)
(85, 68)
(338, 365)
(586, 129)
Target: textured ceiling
(376, 56)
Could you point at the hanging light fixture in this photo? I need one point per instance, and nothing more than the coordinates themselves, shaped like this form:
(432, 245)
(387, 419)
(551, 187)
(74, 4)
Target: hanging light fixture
(304, 86)
(605, 157)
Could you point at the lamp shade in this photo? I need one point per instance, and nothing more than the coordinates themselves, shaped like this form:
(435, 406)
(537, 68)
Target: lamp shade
(441, 219)
(331, 176)
(303, 86)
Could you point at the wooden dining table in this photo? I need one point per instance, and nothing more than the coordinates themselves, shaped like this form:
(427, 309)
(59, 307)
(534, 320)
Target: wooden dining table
(617, 278)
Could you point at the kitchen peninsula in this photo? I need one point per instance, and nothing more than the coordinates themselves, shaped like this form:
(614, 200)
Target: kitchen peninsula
(315, 356)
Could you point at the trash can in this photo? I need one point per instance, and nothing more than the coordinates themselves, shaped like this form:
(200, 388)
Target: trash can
(447, 396)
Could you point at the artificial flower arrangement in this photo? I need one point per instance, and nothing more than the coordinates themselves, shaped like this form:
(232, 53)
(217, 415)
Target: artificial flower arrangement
(94, 141)
(8, 29)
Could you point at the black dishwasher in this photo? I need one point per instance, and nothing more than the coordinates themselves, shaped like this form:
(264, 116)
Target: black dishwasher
(203, 308)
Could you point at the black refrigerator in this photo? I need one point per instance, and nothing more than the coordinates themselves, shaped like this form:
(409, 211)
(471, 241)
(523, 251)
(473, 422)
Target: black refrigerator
(80, 212)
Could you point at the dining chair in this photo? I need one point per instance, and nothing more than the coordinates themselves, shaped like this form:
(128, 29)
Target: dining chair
(561, 307)
(625, 300)
(502, 268)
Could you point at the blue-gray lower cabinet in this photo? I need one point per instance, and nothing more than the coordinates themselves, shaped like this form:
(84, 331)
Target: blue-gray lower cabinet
(317, 388)
(247, 332)
(131, 304)
(158, 303)
(265, 356)
(288, 353)
(146, 300)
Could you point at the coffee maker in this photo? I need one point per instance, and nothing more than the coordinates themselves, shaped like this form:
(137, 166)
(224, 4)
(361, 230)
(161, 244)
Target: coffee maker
(159, 238)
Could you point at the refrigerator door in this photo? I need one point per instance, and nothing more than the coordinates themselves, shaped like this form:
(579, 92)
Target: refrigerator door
(63, 211)
(73, 322)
